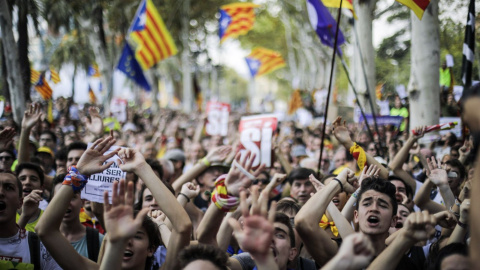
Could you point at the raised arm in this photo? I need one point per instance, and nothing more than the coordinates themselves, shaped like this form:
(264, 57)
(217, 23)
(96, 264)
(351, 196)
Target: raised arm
(30, 119)
(133, 161)
(94, 125)
(458, 234)
(343, 136)
(423, 201)
(48, 227)
(355, 253)
(217, 154)
(316, 240)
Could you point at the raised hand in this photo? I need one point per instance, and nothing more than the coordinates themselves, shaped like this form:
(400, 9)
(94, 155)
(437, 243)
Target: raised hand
(316, 183)
(130, 159)
(119, 221)
(345, 175)
(31, 116)
(257, 233)
(241, 178)
(277, 179)
(190, 190)
(219, 153)
(341, 132)
(438, 175)
(446, 219)
(157, 216)
(356, 252)
(464, 209)
(31, 202)
(6, 137)
(93, 159)
(465, 149)
(94, 123)
(419, 226)
(368, 171)
(418, 132)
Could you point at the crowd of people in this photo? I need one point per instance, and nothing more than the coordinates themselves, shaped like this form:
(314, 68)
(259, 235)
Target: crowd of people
(193, 201)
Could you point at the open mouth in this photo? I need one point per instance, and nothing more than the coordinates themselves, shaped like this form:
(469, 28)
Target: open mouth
(336, 201)
(27, 191)
(127, 254)
(68, 211)
(373, 220)
(399, 225)
(3, 206)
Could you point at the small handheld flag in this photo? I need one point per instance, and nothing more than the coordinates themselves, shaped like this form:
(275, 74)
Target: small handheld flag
(148, 31)
(236, 19)
(43, 88)
(417, 6)
(262, 61)
(129, 65)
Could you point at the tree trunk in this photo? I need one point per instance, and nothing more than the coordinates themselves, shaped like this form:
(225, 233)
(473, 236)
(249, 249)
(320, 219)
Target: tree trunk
(187, 95)
(424, 89)
(22, 27)
(73, 82)
(14, 77)
(365, 59)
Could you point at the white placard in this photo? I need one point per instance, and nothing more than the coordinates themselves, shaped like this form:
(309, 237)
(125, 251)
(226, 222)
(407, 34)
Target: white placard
(98, 183)
(449, 60)
(217, 118)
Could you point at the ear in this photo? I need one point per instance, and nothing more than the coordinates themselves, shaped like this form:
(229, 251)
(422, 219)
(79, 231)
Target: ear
(394, 221)
(355, 216)
(292, 253)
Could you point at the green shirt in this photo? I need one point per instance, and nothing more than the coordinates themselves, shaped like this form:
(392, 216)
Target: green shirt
(403, 112)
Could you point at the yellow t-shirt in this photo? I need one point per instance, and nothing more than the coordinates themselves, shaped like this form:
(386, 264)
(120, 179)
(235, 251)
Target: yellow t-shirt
(31, 226)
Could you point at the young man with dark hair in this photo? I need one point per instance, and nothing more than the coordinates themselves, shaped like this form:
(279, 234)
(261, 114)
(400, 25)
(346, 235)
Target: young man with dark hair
(300, 186)
(7, 157)
(74, 152)
(48, 139)
(19, 249)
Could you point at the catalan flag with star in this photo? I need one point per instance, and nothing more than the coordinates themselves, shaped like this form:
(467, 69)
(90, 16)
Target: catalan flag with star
(43, 88)
(417, 6)
(91, 95)
(93, 71)
(236, 19)
(262, 61)
(152, 40)
(54, 77)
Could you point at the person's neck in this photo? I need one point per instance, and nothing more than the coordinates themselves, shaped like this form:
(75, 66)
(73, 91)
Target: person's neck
(72, 230)
(202, 194)
(9, 229)
(378, 242)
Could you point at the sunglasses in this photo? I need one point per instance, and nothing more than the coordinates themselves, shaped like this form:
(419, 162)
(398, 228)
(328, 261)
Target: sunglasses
(263, 181)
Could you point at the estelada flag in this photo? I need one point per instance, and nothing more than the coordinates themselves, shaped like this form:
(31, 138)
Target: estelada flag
(262, 61)
(54, 77)
(150, 35)
(417, 6)
(43, 87)
(336, 4)
(236, 19)
(34, 76)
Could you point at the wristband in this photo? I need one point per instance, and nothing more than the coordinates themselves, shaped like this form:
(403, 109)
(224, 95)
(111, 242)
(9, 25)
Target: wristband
(221, 198)
(75, 179)
(204, 161)
(186, 197)
(462, 225)
(359, 154)
(341, 185)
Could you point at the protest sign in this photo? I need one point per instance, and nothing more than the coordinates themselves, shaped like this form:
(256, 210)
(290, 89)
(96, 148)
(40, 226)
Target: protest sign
(217, 118)
(98, 183)
(256, 134)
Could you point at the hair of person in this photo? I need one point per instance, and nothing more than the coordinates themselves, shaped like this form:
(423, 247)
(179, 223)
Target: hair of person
(328, 176)
(156, 166)
(52, 134)
(449, 250)
(457, 164)
(204, 253)
(58, 179)
(408, 188)
(33, 167)
(19, 183)
(379, 185)
(154, 239)
(76, 146)
(139, 204)
(265, 173)
(288, 206)
(452, 140)
(285, 220)
(10, 152)
(473, 91)
(300, 174)
(61, 154)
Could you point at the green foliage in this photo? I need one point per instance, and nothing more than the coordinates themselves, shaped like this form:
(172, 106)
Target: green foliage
(74, 49)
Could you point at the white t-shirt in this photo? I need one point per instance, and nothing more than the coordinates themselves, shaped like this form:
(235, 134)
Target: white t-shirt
(14, 250)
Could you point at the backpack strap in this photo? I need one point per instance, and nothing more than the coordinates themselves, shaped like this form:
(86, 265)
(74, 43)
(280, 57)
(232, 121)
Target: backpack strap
(93, 245)
(34, 246)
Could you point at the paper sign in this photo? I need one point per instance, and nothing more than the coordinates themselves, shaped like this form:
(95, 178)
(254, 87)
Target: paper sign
(256, 134)
(217, 118)
(98, 183)
(449, 60)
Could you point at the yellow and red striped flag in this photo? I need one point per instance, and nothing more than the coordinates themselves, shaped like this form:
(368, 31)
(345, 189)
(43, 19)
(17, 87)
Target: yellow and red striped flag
(93, 71)
(54, 77)
(236, 19)
(417, 6)
(42, 87)
(295, 102)
(92, 96)
(150, 35)
(262, 61)
(336, 4)
(34, 76)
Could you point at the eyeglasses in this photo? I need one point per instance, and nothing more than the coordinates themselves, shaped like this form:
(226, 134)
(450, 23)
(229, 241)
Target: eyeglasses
(5, 158)
(263, 181)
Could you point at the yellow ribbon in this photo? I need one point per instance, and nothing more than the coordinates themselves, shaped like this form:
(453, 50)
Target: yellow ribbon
(324, 224)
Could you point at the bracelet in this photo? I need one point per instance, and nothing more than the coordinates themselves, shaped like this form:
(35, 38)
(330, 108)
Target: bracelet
(186, 197)
(75, 179)
(221, 198)
(462, 225)
(340, 182)
(204, 161)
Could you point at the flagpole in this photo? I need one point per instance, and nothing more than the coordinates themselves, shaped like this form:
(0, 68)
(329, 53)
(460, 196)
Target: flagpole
(330, 86)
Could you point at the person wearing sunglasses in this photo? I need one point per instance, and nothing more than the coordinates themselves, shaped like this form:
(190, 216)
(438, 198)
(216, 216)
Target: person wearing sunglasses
(6, 159)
